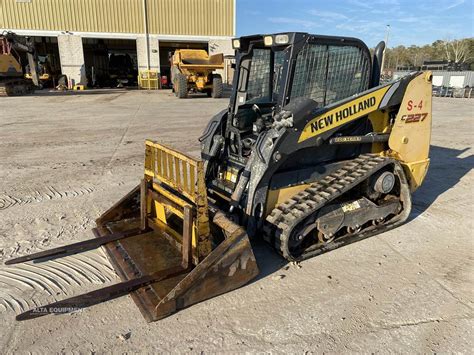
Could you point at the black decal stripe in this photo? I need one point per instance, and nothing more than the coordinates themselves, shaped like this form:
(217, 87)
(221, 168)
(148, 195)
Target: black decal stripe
(258, 144)
(389, 94)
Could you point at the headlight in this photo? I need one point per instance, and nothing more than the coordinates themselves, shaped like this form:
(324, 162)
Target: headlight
(282, 39)
(268, 40)
(236, 43)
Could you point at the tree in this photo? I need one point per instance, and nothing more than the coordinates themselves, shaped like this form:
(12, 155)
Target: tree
(458, 51)
(447, 51)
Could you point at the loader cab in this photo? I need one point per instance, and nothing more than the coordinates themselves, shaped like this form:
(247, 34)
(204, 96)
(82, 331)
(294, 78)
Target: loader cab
(261, 66)
(274, 70)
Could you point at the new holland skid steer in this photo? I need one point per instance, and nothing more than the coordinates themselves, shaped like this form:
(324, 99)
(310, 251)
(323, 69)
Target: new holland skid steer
(311, 154)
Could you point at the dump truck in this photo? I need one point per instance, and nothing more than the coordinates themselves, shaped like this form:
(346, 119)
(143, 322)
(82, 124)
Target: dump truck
(192, 70)
(12, 80)
(311, 154)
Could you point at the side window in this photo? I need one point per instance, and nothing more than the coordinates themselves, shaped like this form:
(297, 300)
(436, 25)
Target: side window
(330, 73)
(348, 73)
(259, 76)
(279, 59)
(310, 73)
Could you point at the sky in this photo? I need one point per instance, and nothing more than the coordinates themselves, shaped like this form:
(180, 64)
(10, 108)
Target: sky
(415, 22)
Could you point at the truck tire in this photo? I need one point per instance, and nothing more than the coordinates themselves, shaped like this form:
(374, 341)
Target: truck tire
(217, 87)
(181, 85)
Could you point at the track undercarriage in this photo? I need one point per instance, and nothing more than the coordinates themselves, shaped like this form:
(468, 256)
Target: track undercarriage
(341, 208)
(16, 87)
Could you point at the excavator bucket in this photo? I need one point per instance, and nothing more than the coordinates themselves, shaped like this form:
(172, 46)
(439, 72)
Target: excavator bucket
(158, 238)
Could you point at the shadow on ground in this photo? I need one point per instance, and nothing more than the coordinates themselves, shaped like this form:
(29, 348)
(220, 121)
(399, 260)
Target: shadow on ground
(51, 92)
(198, 95)
(445, 171)
(268, 260)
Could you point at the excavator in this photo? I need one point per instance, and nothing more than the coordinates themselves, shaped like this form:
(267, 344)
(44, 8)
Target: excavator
(311, 154)
(12, 80)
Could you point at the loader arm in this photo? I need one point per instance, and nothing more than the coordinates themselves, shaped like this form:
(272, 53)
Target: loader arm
(411, 132)
(408, 136)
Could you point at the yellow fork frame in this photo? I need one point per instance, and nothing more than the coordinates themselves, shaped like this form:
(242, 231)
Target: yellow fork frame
(174, 181)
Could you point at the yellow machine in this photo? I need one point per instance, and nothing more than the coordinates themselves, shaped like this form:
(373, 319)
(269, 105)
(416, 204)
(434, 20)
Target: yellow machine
(48, 70)
(192, 70)
(12, 81)
(311, 154)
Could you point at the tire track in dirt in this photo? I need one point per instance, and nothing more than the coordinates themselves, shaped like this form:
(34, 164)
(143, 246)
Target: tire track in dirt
(29, 285)
(43, 194)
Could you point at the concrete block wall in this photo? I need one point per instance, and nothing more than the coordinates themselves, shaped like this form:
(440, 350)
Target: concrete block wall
(71, 56)
(222, 46)
(153, 51)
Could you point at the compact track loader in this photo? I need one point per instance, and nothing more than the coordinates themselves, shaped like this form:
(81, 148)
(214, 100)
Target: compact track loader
(193, 70)
(311, 154)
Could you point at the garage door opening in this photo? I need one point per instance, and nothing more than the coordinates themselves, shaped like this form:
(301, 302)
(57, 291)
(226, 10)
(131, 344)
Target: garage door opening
(48, 63)
(110, 62)
(166, 52)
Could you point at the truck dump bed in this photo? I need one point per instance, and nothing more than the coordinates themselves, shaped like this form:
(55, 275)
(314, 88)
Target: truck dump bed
(198, 59)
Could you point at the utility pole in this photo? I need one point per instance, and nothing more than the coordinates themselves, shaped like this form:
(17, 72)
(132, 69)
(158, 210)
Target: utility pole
(387, 33)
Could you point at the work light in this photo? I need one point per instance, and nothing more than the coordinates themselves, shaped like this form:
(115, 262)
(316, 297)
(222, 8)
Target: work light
(281, 39)
(268, 40)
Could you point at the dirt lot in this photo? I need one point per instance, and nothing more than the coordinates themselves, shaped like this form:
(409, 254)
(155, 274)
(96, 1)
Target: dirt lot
(64, 159)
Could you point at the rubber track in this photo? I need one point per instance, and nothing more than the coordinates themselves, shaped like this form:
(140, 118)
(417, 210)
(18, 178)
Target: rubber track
(285, 217)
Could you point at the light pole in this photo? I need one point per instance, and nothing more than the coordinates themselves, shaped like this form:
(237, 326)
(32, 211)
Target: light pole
(387, 33)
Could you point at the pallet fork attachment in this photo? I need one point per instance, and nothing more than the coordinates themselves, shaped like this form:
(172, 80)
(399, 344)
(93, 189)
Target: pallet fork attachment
(75, 248)
(158, 239)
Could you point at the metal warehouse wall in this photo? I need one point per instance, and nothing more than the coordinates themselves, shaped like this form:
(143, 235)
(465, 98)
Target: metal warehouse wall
(193, 17)
(458, 79)
(173, 17)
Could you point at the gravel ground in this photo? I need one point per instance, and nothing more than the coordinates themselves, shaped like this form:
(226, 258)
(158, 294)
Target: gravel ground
(65, 158)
